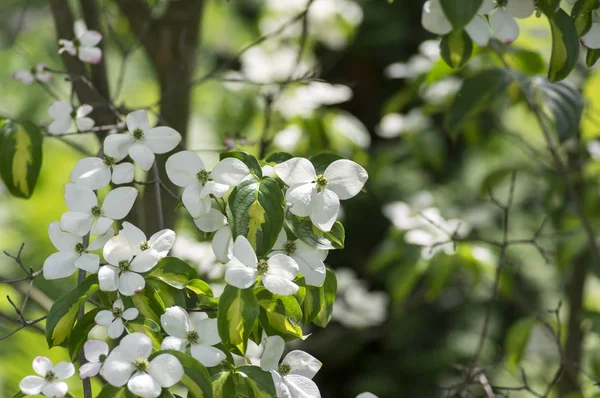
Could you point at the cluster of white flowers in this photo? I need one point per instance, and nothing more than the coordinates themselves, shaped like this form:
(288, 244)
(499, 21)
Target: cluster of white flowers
(37, 73)
(63, 117)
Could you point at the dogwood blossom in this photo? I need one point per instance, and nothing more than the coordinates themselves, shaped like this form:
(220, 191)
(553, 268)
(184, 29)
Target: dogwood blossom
(396, 124)
(277, 272)
(51, 382)
(318, 196)
(406, 216)
(185, 169)
(222, 244)
(123, 270)
(199, 334)
(37, 73)
(309, 259)
(63, 116)
(115, 319)
(502, 17)
(72, 253)
(84, 46)
(95, 352)
(366, 395)
(293, 376)
(141, 142)
(356, 306)
(160, 242)
(128, 364)
(435, 21)
(86, 215)
(96, 173)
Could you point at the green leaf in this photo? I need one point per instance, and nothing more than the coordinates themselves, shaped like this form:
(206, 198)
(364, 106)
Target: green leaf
(329, 292)
(203, 292)
(237, 314)
(476, 93)
(63, 313)
(196, 377)
(109, 391)
(516, 341)
(169, 295)
(174, 272)
(460, 12)
(304, 230)
(322, 160)
(311, 305)
(20, 394)
(278, 157)
(20, 156)
(565, 46)
(257, 213)
(248, 160)
(280, 315)
(79, 335)
(592, 57)
(456, 48)
(260, 381)
(223, 385)
(148, 327)
(582, 15)
(149, 303)
(548, 7)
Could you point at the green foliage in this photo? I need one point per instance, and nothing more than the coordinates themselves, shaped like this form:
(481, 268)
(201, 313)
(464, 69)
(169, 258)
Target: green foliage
(516, 341)
(174, 272)
(237, 314)
(259, 381)
(582, 15)
(79, 335)
(304, 230)
(460, 12)
(565, 46)
(279, 315)
(329, 291)
(247, 159)
(148, 327)
(224, 385)
(456, 48)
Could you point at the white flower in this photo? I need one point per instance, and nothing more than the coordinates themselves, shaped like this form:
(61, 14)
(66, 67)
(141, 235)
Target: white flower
(318, 196)
(63, 116)
(114, 318)
(293, 376)
(222, 244)
(306, 98)
(141, 142)
(396, 124)
(435, 21)
(277, 272)
(86, 215)
(309, 259)
(502, 18)
(50, 383)
(185, 169)
(96, 173)
(593, 148)
(84, 44)
(72, 253)
(407, 216)
(38, 73)
(95, 351)
(288, 138)
(129, 364)
(200, 334)
(123, 270)
(441, 91)
(366, 395)
(347, 125)
(160, 242)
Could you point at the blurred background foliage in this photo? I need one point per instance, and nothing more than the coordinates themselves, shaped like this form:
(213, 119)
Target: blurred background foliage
(431, 315)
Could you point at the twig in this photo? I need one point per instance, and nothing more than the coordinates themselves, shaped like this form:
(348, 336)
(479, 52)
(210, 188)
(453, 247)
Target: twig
(157, 194)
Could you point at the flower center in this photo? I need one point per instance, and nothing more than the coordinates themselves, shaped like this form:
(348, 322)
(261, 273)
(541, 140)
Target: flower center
(284, 369)
(50, 376)
(193, 337)
(321, 182)
(141, 364)
(96, 211)
(502, 3)
(109, 161)
(117, 312)
(102, 358)
(144, 246)
(138, 134)
(124, 265)
(262, 267)
(203, 176)
(79, 248)
(74, 115)
(289, 247)
(76, 42)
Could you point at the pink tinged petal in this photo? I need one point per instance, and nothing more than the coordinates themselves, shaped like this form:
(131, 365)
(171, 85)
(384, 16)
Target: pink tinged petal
(63, 241)
(117, 368)
(520, 8)
(60, 110)
(207, 355)
(243, 251)
(133, 234)
(57, 389)
(67, 46)
(131, 283)
(91, 173)
(83, 111)
(123, 173)
(101, 226)
(325, 210)
(88, 262)
(504, 26)
(434, 20)
(108, 278)
(32, 385)
(214, 188)
(302, 363)
(79, 28)
(90, 38)
(41, 365)
(592, 38)
(118, 202)
(208, 331)
(301, 197)
(64, 370)
(116, 328)
(296, 171)
(138, 120)
(278, 285)
(166, 370)
(60, 265)
(311, 266)
(117, 145)
(162, 241)
(479, 31)
(116, 249)
(145, 261)
(80, 198)
(173, 343)
(84, 123)
(101, 240)
(44, 77)
(162, 139)
(239, 275)
(24, 76)
(89, 369)
(176, 322)
(222, 245)
(283, 266)
(230, 172)
(76, 223)
(281, 387)
(274, 346)
(301, 387)
(196, 205)
(93, 55)
(182, 168)
(103, 318)
(144, 385)
(142, 155)
(346, 178)
(135, 346)
(130, 314)
(211, 222)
